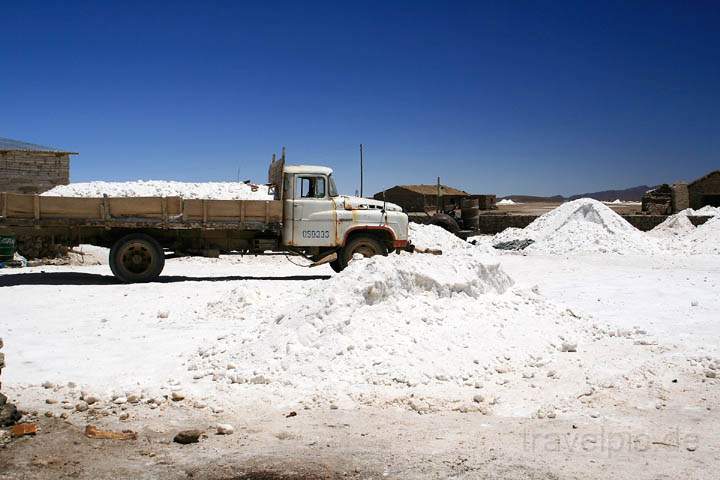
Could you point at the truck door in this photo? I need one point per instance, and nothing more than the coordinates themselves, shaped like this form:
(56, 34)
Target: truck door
(313, 212)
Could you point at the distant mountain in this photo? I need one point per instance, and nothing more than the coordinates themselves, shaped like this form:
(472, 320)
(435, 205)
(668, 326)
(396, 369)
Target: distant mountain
(633, 194)
(533, 198)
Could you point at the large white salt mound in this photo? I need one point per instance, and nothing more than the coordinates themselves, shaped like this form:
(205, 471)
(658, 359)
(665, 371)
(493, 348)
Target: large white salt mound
(401, 326)
(507, 201)
(160, 188)
(581, 226)
(705, 239)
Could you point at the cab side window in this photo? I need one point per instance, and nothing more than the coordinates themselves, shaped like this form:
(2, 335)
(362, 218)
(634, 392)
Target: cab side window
(310, 187)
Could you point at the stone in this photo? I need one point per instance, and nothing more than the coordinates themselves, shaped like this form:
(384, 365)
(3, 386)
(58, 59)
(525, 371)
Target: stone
(81, 406)
(51, 401)
(22, 429)
(120, 400)
(133, 398)
(186, 437)
(568, 347)
(93, 432)
(9, 415)
(259, 380)
(48, 385)
(177, 395)
(90, 399)
(225, 429)
(478, 398)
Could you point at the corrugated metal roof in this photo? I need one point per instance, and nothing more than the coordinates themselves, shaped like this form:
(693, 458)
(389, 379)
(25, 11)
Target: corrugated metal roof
(432, 189)
(10, 145)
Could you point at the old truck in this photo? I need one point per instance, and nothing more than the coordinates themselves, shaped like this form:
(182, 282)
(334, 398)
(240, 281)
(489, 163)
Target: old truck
(307, 217)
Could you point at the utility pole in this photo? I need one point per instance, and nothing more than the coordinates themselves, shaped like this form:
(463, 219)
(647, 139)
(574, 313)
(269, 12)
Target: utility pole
(440, 198)
(361, 170)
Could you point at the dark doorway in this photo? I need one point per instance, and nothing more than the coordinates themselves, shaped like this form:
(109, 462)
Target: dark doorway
(712, 200)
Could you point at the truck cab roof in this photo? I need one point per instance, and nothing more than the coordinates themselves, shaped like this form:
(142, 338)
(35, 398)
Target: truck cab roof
(308, 169)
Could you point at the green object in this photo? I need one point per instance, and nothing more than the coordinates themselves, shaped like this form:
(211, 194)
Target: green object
(7, 247)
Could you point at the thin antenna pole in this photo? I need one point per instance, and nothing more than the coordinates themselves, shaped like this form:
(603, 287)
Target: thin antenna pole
(361, 170)
(439, 195)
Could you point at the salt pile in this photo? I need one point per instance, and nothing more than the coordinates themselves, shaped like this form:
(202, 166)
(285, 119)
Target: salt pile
(707, 210)
(507, 201)
(580, 226)
(386, 328)
(705, 239)
(159, 188)
(681, 235)
(675, 225)
(434, 237)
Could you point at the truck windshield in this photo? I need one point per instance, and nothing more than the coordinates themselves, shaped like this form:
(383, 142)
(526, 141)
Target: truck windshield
(332, 189)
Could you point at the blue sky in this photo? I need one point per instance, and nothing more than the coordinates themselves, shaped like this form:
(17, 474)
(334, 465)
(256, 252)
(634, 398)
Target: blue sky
(495, 97)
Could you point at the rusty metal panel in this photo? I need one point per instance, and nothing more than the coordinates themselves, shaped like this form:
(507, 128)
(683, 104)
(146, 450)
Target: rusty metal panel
(69, 207)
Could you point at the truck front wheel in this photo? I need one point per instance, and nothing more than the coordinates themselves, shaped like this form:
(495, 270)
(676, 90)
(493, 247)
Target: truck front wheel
(137, 258)
(365, 245)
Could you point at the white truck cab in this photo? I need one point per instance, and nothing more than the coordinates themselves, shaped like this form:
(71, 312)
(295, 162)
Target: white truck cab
(316, 217)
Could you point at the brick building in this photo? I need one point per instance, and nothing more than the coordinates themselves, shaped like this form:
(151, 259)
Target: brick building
(705, 191)
(416, 198)
(30, 168)
(420, 198)
(666, 199)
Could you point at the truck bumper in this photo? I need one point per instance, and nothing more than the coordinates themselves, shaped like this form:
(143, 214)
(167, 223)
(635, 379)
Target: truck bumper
(403, 246)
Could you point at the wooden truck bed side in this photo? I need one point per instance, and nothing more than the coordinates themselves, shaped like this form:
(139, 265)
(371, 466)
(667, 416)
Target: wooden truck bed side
(155, 212)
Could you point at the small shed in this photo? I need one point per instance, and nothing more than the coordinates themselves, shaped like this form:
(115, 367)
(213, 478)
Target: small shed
(705, 191)
(30, 168)
(416, 198)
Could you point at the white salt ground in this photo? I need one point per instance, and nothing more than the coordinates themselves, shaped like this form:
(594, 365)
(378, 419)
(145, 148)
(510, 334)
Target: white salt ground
(160, 188)
(418, 331)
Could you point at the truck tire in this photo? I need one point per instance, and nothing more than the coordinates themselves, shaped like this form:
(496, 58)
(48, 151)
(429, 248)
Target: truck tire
(137, 258)
(445, 221)
(366, 245)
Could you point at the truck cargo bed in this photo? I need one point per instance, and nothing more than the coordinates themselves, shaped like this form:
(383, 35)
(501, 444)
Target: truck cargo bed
(156, 212)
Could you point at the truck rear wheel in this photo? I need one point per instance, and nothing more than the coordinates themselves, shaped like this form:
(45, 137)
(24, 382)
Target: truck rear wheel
(137, 258)
(365, 245)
